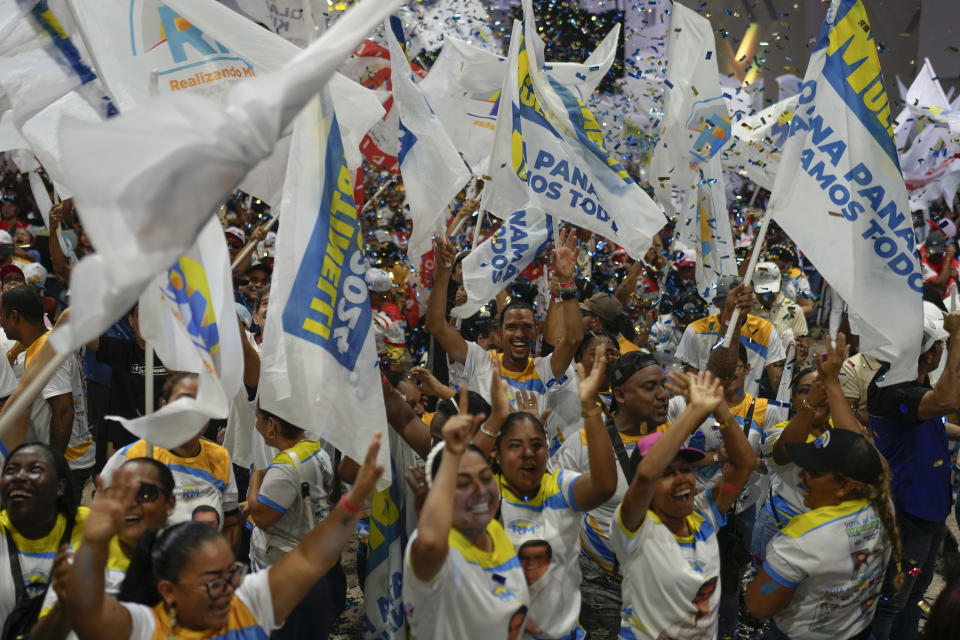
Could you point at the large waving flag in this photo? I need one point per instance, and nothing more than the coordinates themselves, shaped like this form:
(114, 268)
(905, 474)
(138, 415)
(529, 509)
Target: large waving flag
(840, 196)
(465, 82)
(138, 224)
(433, 172)
(498, 260)
(686, 166)
(319, 364)
(549, 153)
(189, 316)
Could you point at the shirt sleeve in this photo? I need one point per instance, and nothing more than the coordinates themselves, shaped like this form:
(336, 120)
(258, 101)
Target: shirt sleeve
(897, 401)
(476, 362)
(798, 322)
(565, 480)
(688, 351)
(431, 589)
(675, 407)
(255, 593)
(775, 352)
(570, 454)
(786, 562)
(279, 488)
(60, 384)
(704, 504)
(142, 621)
(623, 541)
(849, 381)
(8, 380)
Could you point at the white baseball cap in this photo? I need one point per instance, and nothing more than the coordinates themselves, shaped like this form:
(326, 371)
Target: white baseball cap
(766, 278)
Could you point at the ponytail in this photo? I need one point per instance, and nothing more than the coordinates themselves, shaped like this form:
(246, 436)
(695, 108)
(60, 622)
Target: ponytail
(879, 494)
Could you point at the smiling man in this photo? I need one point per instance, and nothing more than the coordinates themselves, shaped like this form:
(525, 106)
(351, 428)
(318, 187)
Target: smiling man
(548, 381)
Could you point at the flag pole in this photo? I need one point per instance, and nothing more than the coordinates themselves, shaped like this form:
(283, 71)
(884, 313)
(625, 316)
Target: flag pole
(251, 245)
(747, 277)
(148, 386)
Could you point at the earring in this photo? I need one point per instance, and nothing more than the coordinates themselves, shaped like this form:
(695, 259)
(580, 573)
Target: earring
(172, 614)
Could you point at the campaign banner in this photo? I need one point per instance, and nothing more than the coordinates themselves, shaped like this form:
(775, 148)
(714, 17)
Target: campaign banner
(840, 195)
(498, 260)
(319, 366)
(549, 153)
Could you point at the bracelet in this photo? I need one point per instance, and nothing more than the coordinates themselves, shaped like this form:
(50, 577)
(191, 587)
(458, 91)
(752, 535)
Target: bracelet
(349, 506)
(567, 285)
(484, 431)
(716, 457)
(568, 293)
(591, 412)
(806, 405)
(727, 423)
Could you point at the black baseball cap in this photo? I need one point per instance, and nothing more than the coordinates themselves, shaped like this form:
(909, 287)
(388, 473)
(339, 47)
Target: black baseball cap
(838, 451)
(936, 241)
(628, 364)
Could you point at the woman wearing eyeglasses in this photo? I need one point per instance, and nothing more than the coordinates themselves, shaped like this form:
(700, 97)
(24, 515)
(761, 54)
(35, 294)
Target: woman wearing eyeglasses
(38, 516)
(201, 592)
(146, 512)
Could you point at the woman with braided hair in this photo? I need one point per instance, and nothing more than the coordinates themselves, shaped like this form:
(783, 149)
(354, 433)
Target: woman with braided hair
(823, 572)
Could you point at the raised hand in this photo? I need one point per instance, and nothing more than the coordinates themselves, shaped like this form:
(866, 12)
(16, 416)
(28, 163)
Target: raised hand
(829, 363)
(368, 474)
(443, 254)
(591, 385)
(704, 392)
(458, 431)
(565, 255)
(429, 384)
(110, 505)
(500, 406)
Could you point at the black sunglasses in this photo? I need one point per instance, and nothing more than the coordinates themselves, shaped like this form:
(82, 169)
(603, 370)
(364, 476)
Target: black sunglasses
(147, 492)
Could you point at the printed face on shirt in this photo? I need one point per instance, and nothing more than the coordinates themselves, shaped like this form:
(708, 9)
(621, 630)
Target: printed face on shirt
(535, 557)
(29, 486)
(522, 455)
(702, 600)
(515, 627)
(644, 396)
(674, 491)
(476, 498)
(518, 334)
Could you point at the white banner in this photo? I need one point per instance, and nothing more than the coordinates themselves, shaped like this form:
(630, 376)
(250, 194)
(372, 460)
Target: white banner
(432, 169)
(188, 314)
(840, 196)
(757, 142)
(319, 367)
(498, 260)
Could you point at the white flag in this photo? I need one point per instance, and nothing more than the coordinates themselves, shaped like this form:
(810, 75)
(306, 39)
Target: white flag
(840, 196)
(549, 153)
(465, 82)
(137, 221)
(319, 366)
(188, 314)
(433, 172)
(757, 142)
(498, 260)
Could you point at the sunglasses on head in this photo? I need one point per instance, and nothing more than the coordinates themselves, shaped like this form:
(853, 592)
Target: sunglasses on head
(147, 492)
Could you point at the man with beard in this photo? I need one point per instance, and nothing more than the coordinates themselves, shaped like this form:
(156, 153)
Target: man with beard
(640, 402)
(535, 384)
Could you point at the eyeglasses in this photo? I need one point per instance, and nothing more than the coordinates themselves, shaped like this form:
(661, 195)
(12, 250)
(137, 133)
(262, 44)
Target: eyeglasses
(216, 587)
(147, 492)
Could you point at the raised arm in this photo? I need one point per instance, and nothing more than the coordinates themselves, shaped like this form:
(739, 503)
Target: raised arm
(944, 398)
(404, 421)
(429, 549)
(703, 394)
(798, 428)
(448, 337)
(61, 267)
(300, 569)
(93, 614)
(740, 459)
(829, 365)
(599, 484)
(564, 262)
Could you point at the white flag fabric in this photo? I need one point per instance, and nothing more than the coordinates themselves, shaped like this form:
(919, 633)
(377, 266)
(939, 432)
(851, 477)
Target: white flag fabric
(319, 367)
(293, 20)
(549, 153)
(686, 163)
(925, 89)
(840, 196)
(188, 314)
(432, 169)
(498, 260)
(465, 82)
(757, 142)
(136, 221)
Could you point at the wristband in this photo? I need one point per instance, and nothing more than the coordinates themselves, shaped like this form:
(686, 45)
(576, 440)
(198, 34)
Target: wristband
(567, 285)
(484, 431)
(716, 457)
(350, 507)
(568, 294)
(591, 412)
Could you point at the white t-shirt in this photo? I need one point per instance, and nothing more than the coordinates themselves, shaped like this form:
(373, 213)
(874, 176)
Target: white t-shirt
(665, 335)
(68, 380)
(475, 595)
(280, 491)
(552, 518)
(756, 334)
(201, 482)
(671, 585)
(251, 611)
(593, 535)
(557, 394)
(786, 489)
(835, 557)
